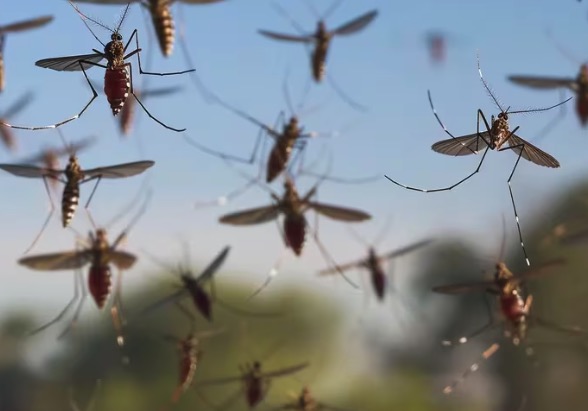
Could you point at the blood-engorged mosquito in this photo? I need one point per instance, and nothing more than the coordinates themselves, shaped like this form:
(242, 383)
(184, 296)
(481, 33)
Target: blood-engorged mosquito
(295, 226)
(306, 402)
(496, 135)
(321, 40)
(12, 28)
(118, 80)
(73, 176)
(515, 308)
(100, 254)
(6, 134)
(256, 383)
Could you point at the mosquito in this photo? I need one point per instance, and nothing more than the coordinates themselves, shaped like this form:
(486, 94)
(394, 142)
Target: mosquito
(100, 254)
(194, 288)
(295, 226)
(306, 402)
(515, 308)
(6, 134)
(73, 176)
(163, 22)
(256, 383)
(321, 40)
(496, 135)
(118, 80)
(12, 28)
(374, 263)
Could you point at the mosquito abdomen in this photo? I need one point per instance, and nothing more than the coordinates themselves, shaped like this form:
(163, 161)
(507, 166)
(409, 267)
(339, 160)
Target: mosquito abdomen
(116, 87)
(319, 61)
(7, 136)
(188, 364)
(164, 26)
(582, 108)
(295, 232)
(277, 161)
(379, 282)
(99, 283)
(254, 392)
(69, 202)
(126, 117)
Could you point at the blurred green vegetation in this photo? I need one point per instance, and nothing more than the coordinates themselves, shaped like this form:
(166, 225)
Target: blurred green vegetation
(387, 374)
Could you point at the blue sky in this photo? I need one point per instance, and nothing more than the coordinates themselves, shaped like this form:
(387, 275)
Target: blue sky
(385, 67)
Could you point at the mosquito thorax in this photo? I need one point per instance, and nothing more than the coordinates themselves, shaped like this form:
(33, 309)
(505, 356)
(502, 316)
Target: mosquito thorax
(291, 129)
(321, 30)
(73, 170)
(583, 75)
(114, 50)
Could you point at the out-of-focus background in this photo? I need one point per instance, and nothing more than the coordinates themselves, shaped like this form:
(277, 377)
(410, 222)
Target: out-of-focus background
(364, 354)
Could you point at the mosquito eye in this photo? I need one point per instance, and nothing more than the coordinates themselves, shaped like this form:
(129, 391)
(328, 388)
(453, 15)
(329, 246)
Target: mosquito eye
(119, 37)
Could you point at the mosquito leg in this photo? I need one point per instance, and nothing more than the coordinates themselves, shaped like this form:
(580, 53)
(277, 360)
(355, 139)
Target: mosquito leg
(116, 311)
(225, 156)
(488, 128)
(78, 281)
(472, 368)
(74, 320)
(137, 52)
(353, 104)
(48, 218)
(271, 275)
(462, 340)
(444, 188)
(98, 179)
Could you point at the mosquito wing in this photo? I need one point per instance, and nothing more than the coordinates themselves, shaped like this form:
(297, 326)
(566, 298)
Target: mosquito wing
(219, 381)
(119, 170)
(26, 25)
(462, 146)
(356, 24)
(404, 250)
(285, 371)
(531, 153)
(23, 170)
(541, 269)
(465, 287)
(57, 261)
(214, 265)
(287, 37)
(18, 105)
(343, 267)
(252, 216)
(121, 259)
(545, 82)
(339, 213)
(71, 63)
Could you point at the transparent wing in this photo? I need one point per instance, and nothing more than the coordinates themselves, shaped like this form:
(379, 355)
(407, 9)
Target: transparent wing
(119, 170)
(466, 287)
(252, 216)
(165, 300)
(531, 153)
(545, 82)
(405, 250)
(23, 170)
(214, 265)
(356, 24)
(461, 146)
(541, 269)
(121, 259)
(285, 371)
(339, 213)
(26, 25)
(70, 63)
(57, 261)
(287, 37)
(343, 267)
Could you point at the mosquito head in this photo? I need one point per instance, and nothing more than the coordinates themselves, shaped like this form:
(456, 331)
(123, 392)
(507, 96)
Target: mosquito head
(101, 235)
(321, 27)
(503, 115)
(116, 36)
(256, 366)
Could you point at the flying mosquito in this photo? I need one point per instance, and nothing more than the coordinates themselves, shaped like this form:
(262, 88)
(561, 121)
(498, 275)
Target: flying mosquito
(515, 308)
(256, 383)
(73, 176)
(100, 254)
(496, 135)
(578, 85)
(306, 402)
(321, 40)
(374, 263)
(160, 11)
(6, 134)
(12, 28)
(118, 81)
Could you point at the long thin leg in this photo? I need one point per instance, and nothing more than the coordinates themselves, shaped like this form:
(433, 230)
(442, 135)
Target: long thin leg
(271, 275)
(48, 218)
(353, 104)
(74, 319)
(98, 179)
(95, 94)
(78, 281)
(472, 368)
(179, 130)
(224, 156)
(463, 340)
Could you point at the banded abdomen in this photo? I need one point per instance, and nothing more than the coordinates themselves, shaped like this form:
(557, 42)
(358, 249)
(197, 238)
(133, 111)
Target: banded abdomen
(278, 159)
(319, 60)
(99, 283)
(188, 363)
(164, 25)
(378, 282)
(69, 202)
(116, 87)
(295, 232)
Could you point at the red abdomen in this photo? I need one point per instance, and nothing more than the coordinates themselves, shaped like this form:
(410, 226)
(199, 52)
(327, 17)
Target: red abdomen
(277, 162)
(379, 283)
(99, 283)
(254, 393)
(295, 232)
(512, 306)
(187, 371)
(582, 109)
(116, 88)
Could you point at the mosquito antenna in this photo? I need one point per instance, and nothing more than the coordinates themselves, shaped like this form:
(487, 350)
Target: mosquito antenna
(472, 368)
(68, 147)
(122, 18)
(84, 18)
(535, 110)
(313, 10)
(486, 86)
(331, 9)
